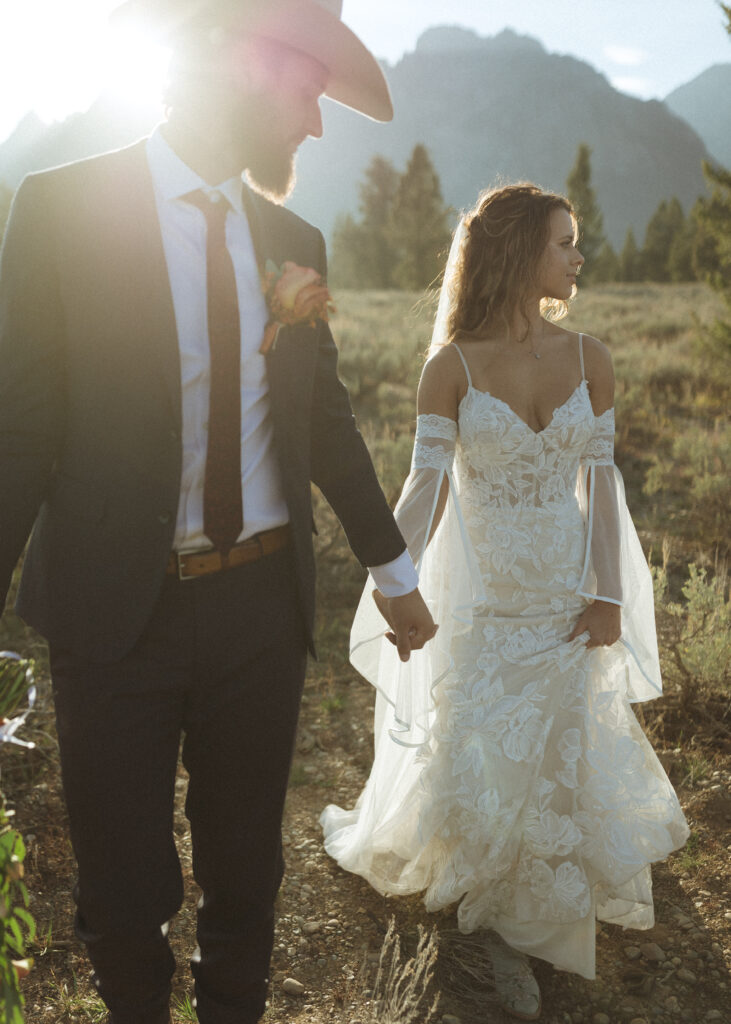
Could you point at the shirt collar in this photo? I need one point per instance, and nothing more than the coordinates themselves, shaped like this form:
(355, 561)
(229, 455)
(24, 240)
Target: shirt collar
(172, 178)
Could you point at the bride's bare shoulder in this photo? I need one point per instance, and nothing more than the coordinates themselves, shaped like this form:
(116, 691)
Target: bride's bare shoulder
(599, 372)
(442, 383)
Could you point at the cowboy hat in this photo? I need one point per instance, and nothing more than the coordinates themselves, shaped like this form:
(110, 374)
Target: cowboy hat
(313, 27)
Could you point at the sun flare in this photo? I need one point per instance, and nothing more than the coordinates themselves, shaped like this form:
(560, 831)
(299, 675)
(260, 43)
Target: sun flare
(75, 59)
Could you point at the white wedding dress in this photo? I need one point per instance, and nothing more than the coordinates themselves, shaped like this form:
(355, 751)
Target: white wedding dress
(510, 772)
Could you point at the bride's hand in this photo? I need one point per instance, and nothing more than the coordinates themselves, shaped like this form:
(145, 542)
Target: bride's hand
(602, 620)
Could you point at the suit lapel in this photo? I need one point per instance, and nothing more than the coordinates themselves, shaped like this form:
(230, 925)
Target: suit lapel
(141, 271)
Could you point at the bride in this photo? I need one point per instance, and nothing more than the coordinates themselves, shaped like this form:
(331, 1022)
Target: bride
(510, 773)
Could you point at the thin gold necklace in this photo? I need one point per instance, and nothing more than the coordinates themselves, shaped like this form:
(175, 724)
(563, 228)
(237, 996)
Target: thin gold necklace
(537, 355)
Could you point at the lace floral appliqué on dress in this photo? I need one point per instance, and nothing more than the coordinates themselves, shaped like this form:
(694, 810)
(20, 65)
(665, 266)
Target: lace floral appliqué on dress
(510, 772)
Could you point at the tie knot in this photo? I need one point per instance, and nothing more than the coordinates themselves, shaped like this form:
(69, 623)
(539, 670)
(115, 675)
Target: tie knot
(214, 205)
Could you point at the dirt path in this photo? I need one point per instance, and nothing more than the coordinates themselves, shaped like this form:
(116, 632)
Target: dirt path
(331, 925)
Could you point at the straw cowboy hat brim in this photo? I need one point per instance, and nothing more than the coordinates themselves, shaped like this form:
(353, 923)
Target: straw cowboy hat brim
(313, 27)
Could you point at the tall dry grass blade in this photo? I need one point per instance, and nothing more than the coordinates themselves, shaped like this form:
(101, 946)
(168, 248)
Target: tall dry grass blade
(401, 990)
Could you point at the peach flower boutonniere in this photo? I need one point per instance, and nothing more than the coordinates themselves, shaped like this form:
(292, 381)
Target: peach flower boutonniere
(294, 295)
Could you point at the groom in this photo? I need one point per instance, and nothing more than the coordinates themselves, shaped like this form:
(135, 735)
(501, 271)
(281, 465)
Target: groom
(164, 464)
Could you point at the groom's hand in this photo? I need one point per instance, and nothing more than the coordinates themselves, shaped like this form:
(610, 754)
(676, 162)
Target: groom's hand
(410, 620)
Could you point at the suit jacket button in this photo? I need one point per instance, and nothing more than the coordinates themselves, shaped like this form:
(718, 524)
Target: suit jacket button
(164, 518)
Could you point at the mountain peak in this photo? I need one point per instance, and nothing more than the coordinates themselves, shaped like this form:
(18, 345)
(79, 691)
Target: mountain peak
(456, 39)
(447, 38)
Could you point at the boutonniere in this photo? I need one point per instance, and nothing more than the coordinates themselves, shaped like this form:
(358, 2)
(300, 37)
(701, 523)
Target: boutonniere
(294, 295)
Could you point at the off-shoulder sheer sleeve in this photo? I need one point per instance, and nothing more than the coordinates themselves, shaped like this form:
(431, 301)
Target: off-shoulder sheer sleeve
(615, 568)
(449, 580)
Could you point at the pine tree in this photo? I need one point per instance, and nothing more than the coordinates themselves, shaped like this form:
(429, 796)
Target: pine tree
(346, 259)
(666, 223)
(629, 260)
(606, 265)
(714, 261)
(583, 199)
(377, 196)
(419, 225)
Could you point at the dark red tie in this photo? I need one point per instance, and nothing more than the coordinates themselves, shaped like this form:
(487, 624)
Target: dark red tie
(223, 516)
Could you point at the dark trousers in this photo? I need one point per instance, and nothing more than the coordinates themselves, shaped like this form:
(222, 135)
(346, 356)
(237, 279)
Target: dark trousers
(222, 663)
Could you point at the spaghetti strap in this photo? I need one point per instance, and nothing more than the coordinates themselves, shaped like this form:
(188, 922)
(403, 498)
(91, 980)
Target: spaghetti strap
(464, 362)
(581, 355)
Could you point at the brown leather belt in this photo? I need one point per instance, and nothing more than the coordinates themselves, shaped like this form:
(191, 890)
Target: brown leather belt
(187, 565)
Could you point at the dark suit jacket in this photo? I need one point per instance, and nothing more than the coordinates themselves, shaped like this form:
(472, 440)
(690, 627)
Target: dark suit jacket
(90, 407)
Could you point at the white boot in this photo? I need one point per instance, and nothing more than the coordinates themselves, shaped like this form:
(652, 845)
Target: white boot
(515, 985)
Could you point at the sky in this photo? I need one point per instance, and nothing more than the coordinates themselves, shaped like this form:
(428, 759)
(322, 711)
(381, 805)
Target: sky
(56, 56)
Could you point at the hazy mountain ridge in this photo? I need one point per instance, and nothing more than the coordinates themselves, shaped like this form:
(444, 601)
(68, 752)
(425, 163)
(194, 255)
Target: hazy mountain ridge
(506, 109)
(700, 103)
(486, 108)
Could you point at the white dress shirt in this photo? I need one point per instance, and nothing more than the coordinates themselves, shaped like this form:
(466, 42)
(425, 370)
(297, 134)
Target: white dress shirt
(183, 229)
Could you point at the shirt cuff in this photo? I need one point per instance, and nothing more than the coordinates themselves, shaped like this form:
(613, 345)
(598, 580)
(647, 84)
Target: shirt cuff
(396, 578)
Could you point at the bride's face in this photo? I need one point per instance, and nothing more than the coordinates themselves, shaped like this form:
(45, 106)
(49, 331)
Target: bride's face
(559, 265)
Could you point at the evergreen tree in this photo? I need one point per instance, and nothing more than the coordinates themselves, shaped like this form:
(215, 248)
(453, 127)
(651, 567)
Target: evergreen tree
(377, 195)
(714, 261)
(629, 260)
(680, 257)
(583, 199)
(666, 223)
(606, 265)
(346, 269)
(419, 225)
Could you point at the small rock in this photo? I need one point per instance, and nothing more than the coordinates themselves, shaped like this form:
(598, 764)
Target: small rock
(333, 923)
(307, 890)
(638, 1020)
(449, 1018)
(671, 1004)
(577, 1017)
(687, 976)
(311, 927)
(651, 951)
(293, 987)
(714, 1015)
(632, 952)
(601, 1018)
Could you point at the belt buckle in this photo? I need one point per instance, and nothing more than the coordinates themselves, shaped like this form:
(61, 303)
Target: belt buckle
(179, 555)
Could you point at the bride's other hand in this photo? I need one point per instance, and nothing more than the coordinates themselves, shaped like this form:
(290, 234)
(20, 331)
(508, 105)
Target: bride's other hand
(602, 620)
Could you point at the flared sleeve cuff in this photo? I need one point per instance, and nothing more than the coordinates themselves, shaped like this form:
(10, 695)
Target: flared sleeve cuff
(615, 568)
(449, 580)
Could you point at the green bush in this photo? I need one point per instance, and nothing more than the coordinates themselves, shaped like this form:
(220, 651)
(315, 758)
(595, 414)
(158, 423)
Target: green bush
(695, 633)
(17, 927)
(698, 472)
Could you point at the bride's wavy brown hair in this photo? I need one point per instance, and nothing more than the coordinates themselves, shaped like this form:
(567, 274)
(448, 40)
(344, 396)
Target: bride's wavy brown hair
(504, 237)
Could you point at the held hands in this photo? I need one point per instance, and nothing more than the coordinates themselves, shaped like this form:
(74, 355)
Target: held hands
(410, 621)
(602, 620)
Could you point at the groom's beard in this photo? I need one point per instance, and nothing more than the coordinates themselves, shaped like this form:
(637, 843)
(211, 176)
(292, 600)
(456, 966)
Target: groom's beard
(270, 154)
(272, 172)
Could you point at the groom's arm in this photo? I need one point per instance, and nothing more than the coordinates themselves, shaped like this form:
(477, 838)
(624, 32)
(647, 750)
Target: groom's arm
(343, 470)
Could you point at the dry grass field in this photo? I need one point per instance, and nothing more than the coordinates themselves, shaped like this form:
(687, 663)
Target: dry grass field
(674, 449)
